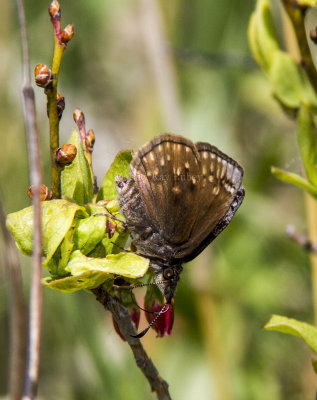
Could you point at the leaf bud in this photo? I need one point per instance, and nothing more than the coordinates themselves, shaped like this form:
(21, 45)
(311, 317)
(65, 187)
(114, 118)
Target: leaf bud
(45, 193)
(60, 104)
(43, 75)
(55, 11)
(66, 154)
(67, 34)
(90, 140)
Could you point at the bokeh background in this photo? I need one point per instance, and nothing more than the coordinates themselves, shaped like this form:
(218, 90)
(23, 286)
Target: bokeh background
(137, 68)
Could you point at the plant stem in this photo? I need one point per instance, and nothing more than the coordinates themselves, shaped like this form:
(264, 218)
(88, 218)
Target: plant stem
(297, 16)
(17, 330)
(35, 173)
(311, 212)
(121, 316)
(54, 120)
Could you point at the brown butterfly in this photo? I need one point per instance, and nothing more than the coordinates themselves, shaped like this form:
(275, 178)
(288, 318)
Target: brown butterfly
(179, 197)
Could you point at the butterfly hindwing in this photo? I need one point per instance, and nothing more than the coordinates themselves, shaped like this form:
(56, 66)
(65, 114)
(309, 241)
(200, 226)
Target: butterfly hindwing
(221, 179)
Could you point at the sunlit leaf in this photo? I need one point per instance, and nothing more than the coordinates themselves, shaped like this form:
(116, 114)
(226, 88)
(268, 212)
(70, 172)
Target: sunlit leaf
(89, 232)
(88, 273)
(262, 35)
(120, 166)
(293, 327)
(76, 182)
(57, 218)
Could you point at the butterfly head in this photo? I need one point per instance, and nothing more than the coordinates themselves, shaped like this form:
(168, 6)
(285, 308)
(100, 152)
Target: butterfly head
(166, 278)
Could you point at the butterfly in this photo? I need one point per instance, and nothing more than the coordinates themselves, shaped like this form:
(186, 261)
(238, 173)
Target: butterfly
(178, 199)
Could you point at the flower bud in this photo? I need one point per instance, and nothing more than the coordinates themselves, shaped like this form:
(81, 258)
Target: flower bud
(45, 193)
(67, 34)
(43, 75)
(153, 302)
(66, 154)
(110, 228)
(79, 117)
(313, 35)
(90, 140)
(60, 104)
(54, 11)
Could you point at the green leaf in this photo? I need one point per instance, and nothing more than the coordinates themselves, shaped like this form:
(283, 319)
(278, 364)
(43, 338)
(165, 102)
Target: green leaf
(262, 35)
(88, 273)
(297, 180)
(289, 81)
(108, 245)
(116, 243)
(294, 327)
(57, 218)
(76, 182)
(89, 232)
(87, 280)
(307, 140)
(120, 166)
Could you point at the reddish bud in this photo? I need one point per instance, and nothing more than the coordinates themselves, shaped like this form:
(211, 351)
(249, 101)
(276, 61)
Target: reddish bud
(67, 34)
(60, 104)
(45, 193)
(66, 154)
(90, 140)
(79, 117)
(43, 75)
(154, 302)
(110, 228)
(313, 35)
(54, 11)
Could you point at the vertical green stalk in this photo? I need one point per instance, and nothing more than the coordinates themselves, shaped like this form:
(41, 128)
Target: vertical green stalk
(311, 213)
(53, 119)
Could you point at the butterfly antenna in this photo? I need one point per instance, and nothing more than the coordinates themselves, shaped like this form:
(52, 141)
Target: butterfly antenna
(163, 311)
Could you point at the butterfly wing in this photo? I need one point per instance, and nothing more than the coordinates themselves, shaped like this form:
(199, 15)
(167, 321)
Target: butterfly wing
(166, 171)
(219, 198)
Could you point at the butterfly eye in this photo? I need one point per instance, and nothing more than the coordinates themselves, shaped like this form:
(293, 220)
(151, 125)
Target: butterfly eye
(168, 273)
(120, 181)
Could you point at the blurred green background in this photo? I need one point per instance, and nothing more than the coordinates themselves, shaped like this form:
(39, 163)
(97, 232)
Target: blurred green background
(137, 68)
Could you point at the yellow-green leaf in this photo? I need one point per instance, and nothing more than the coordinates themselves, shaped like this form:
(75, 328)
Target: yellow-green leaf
(76, 182)
(289, 81)
(57, 218)
(262, 35)
(294, 327)
(120, 166)
(89, 273)
(297, 180)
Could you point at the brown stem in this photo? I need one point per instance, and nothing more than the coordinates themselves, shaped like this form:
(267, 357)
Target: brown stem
(32, 138)
(121, 316)
(17, 345)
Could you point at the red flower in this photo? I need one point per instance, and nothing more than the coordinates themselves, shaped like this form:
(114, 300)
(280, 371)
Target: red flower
(153, 302)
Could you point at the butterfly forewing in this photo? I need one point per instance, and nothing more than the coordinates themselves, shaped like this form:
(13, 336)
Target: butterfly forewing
(167, 172)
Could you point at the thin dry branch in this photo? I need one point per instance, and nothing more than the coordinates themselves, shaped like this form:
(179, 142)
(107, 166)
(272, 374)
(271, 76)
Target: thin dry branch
(29, 114)
(127, 329)
(17, 329)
